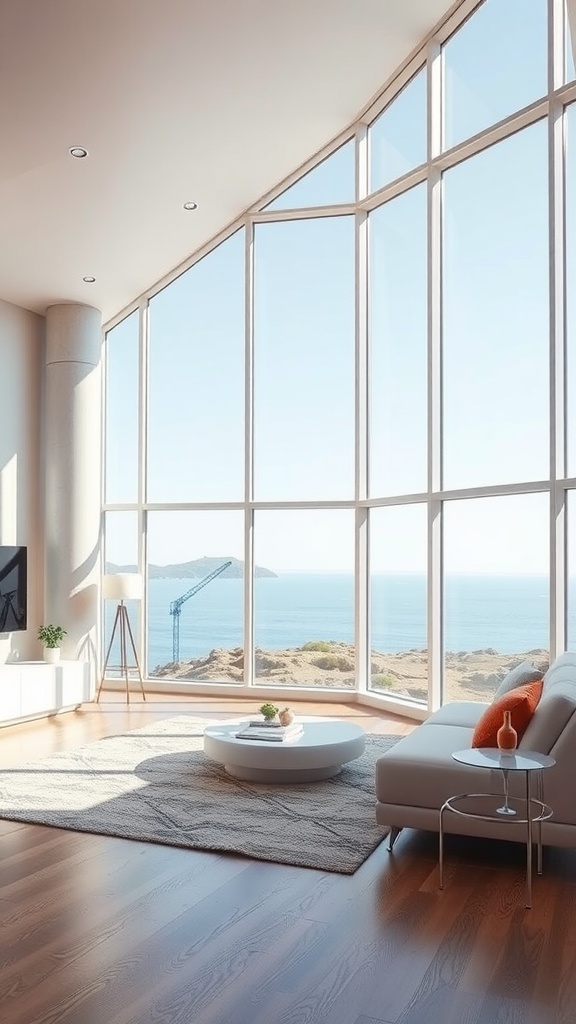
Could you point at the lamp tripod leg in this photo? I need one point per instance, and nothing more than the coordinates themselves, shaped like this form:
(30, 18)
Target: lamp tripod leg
(135, 656)
(115, 626)
(123, 653)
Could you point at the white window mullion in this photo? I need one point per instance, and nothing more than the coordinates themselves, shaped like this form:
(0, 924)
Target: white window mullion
(361, 597)
(143, 363)
(557, 29)
(434, 242)
(361, 159)
(558, 574)
(249, 458)
(557, 321)
(104, 427)
(362, 601)
(362, 420)
(570, 26)
(558, 410)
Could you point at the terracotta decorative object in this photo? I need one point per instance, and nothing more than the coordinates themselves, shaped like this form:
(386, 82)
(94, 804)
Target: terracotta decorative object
(286, 716)
(507, 737)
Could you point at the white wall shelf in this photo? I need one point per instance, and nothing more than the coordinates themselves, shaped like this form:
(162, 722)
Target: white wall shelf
(35, 689)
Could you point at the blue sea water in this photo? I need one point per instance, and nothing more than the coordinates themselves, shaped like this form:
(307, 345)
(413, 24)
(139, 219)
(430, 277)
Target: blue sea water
(506, 613)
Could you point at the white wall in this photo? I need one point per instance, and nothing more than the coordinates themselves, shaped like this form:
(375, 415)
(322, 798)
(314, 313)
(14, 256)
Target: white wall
(22, 356)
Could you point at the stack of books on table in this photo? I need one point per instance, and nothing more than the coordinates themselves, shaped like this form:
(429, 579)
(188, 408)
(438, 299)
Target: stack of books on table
(272, 731)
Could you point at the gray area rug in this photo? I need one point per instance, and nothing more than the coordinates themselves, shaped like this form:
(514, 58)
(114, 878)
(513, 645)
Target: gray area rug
(155, 784)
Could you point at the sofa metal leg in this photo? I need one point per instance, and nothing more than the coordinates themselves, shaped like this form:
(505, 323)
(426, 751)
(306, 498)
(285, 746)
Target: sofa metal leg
(392, 837)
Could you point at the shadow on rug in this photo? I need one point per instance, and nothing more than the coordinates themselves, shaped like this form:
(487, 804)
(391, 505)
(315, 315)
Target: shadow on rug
(155, 784)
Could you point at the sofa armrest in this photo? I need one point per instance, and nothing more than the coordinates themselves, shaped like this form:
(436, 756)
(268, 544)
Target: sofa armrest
(559, 780)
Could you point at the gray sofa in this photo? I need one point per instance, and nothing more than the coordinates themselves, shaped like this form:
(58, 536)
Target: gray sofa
(418, 774)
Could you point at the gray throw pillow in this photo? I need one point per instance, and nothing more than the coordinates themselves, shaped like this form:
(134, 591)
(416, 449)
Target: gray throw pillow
(525, 672)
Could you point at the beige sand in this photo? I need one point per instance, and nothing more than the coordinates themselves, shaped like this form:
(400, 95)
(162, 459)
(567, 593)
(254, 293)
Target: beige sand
(469, 675)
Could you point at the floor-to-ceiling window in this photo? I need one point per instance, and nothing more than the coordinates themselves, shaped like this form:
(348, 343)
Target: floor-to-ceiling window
(340, 445)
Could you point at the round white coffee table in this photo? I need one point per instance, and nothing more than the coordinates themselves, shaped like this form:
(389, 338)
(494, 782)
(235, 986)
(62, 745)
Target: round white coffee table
(319, 753)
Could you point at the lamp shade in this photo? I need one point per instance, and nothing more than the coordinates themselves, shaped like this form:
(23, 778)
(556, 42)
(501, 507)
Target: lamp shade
(122, 586)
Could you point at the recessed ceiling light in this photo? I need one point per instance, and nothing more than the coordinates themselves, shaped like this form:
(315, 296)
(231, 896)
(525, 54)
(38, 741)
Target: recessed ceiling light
(78, 151)
(190, 206)
(88, 279)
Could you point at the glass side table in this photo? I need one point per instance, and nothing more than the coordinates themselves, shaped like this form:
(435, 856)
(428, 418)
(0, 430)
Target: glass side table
(528, 810)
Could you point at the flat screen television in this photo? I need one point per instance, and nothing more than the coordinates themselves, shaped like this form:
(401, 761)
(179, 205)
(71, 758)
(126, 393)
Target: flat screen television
(13, 588)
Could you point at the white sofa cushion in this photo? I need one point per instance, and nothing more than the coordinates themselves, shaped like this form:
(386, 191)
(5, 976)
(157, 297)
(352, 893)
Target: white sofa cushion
(421, 772)
(556, 706)
(525, 672)
(462, 712)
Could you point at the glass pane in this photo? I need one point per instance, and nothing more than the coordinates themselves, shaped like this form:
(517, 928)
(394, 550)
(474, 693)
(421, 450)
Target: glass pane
(196, 596)
(304, 359)
(496, 590)
(121, 555)
(398, 343)
(397, 138)
(398, 626)
(481, 90)
(304, 614)
(331, 182)
(196, 369)
(495, 315)
(122, 411)
(570, 41)
(571, 286)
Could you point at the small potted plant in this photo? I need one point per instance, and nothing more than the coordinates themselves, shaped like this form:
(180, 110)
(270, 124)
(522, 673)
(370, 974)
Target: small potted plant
(52, 637)
(269, 711)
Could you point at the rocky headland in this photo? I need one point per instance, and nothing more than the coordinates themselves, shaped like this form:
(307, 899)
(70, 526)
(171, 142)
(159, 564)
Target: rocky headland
(197, 569)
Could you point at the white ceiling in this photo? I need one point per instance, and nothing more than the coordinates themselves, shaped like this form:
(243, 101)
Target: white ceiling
(208, 100)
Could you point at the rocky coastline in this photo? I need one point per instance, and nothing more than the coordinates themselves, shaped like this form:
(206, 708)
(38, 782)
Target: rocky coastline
(469, 675)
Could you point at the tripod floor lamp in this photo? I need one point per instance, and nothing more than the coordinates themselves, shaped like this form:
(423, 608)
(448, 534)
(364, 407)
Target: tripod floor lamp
(121, 587)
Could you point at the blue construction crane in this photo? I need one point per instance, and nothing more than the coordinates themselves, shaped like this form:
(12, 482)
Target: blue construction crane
(176, 608)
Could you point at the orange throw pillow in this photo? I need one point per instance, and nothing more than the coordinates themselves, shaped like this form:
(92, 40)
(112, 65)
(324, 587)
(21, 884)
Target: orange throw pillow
(521, 703)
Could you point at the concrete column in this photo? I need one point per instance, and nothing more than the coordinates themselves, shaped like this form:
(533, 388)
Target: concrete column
(72, 450)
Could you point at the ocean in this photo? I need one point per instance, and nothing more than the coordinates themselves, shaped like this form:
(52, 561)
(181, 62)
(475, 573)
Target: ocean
(506, 613)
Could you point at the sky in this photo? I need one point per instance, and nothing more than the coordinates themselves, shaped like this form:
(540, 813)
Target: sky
(495, 346)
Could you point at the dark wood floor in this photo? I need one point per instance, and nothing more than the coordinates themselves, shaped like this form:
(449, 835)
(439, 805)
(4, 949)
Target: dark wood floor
(97, 930)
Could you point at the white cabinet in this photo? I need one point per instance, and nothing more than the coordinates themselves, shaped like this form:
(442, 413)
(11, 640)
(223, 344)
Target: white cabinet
(10, 695)
(35, 689)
